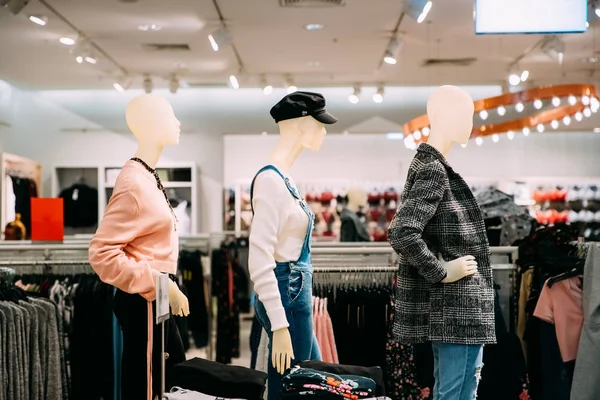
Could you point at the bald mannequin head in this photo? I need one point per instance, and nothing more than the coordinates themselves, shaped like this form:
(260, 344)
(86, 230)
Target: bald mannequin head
(152, 120)
(450, 112)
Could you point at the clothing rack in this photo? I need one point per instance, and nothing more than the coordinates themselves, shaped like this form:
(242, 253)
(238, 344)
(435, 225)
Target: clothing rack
(348, 269)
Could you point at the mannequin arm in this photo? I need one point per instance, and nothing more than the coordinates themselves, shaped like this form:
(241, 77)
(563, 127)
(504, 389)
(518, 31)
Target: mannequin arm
(418, 207)
(268, 190)
(119, 226)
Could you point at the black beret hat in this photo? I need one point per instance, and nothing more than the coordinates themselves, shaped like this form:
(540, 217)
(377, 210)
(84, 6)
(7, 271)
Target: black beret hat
(302, 104)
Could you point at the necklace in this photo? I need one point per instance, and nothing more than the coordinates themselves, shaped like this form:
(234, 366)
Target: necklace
(159, 185)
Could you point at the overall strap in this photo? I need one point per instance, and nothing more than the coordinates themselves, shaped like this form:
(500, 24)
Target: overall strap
(267, 168)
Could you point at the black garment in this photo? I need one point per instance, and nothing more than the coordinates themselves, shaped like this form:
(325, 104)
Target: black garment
(131, 311)
(25, 190)
(374, 373)
(190, 268)
(300, 382)
(220, 380)
(91, 341)
(80, 204)
(228, 315)
(352, 228)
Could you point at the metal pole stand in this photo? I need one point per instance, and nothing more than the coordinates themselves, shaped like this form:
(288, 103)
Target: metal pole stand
(162, 314)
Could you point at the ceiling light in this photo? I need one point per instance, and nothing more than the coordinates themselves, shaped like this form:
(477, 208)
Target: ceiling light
(38, 20)
(578, 116)
(418, 9)
(291, 89)
(572, 100)
(426, 131)
(567, 120)
(378, 97)
(554, 124)
(585, 100)
(91, 60)
(555, 101)
(594, 103)
(479, 141)
(354, 97)
(483, 114)
(514, 79)
(67, 41)
(122, 84)
(597, 12)
(149, 28)
(147, 84)
(524, 75)
(394, 135)
(173, 84)
(587, 112)
(234, 82)
(314, 27)
(537, 104)
(553, 47)
(501, 111)
(596, 130)
(389, 58)
(417, 134)
(526, 131)
(495, 138)
(519, 107)
(219, 38)
(540, 128)
(267, 90)
(510, 135)
(79, 59)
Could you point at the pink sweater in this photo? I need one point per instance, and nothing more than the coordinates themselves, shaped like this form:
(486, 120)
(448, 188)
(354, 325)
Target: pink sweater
(136, 239)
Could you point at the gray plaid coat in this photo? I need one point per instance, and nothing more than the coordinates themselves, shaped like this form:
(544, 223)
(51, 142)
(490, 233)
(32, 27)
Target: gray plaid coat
(439, 216)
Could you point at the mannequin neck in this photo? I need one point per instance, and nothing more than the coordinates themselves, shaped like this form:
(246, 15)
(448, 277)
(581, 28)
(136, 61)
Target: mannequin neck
(149, 152)
(288, 148)
(440, 142)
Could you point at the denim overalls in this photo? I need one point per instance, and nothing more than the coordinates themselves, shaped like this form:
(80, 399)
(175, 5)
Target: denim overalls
(295, 287)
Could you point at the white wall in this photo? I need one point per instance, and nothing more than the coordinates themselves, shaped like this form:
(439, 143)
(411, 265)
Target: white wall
(39, 129)
(376, 158)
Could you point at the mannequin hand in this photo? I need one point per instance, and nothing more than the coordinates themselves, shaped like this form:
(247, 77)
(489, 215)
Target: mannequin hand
(282, 352)
(459, 268)
(177, 300)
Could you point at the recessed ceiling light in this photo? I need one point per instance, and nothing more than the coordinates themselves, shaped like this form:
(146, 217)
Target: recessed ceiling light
(314, 64)
(591, 60)
(314, 27)
(67, 41)
(150, 28)
(38, 20)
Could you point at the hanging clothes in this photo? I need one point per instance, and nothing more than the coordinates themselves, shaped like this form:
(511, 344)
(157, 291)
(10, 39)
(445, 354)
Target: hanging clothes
(80, 204)
(323, 328)
(192, 278)
(224, 268)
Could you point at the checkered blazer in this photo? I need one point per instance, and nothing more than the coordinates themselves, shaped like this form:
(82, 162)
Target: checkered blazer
(439, 216)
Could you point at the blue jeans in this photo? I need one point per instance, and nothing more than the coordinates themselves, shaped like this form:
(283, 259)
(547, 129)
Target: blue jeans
(295, 287)
(457, 370)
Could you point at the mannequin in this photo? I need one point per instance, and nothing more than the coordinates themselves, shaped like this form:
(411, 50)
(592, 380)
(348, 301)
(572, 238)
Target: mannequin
(445, 276)
(280, 237)
(352, 228)
(135, 242)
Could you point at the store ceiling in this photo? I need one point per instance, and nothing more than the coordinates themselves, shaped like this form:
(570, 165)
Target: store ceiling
(271, 41)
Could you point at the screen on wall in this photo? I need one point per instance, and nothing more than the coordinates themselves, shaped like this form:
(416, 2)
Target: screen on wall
(530, 16)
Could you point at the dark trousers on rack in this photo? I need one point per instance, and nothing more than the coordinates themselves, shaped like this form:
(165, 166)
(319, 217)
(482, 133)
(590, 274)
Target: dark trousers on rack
(131, 311)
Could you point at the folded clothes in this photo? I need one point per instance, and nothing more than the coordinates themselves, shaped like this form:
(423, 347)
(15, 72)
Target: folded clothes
(375, 373)
(220, 380)
(178, 393)
(301, 382)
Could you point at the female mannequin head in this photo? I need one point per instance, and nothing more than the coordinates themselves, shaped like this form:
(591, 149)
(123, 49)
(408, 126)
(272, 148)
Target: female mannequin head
(450, 111)
(152, 120)
(308, 131)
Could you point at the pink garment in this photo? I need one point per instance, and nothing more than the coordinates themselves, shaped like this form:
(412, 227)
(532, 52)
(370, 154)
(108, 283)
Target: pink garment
(136, 239)
(324, 331)
(561, 305)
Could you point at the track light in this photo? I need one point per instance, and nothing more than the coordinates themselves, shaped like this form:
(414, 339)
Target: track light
(79, 59)
(90, 59)
(122, 84)
(392, 51)
(518, 76)
(354, 97)
(234, 82)
(38, 20)
(418, 9)
(267, 89)
(219, 38)
(67, 41)
(147, 84)
(378, 97)
(554, 48)
(173, 84)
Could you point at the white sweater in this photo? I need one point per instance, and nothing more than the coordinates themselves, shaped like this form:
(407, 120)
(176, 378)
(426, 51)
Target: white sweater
(277, 234)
